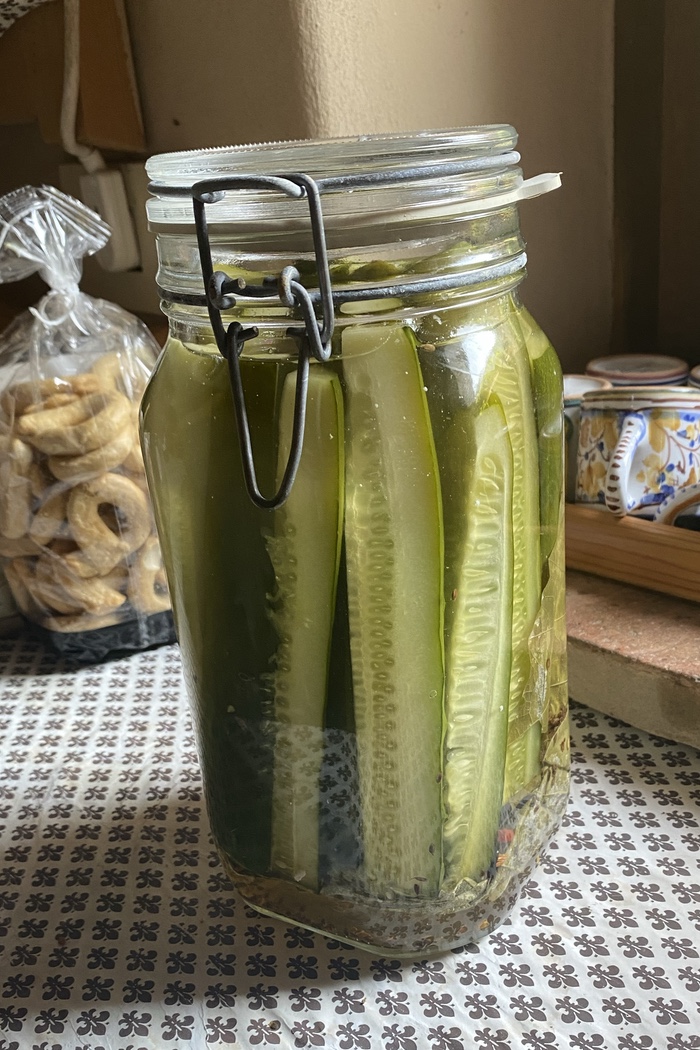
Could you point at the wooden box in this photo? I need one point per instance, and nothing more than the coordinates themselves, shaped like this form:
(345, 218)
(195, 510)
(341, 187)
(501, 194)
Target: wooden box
(659, 557)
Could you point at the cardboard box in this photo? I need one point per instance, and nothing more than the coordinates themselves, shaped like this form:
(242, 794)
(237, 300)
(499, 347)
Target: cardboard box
(31, 76)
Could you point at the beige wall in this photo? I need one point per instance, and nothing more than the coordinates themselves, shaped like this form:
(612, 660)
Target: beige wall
(545, 66)
(212, 72)
(216, 72)
(310, 68)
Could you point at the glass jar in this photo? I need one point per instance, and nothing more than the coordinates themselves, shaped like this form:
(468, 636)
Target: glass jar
(378, 665)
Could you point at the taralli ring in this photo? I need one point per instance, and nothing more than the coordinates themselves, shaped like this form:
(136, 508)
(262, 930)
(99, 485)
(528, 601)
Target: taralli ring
(85, 383)
(118, 372)
(118, 578)
(18, 573)
(134, 461)
(50, 519)
(148, 586)
(79, 427)
(55, 401)
(48, 592)
(15, 491)
(93, 595)
(40, 479)
(100, 546)
(19, 454)
(140, 481)
(18, 548)
(108, 369)
(25, 397)
(34, 587)
(20, 397)
(99, 461)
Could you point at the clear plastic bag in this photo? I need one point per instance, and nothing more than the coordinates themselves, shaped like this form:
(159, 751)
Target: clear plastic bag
(76, 529)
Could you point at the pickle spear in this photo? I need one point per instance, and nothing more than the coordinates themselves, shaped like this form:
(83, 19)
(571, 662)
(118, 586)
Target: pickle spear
(478, 656)
(393, 533)
(513, 386)
(219, 574)
(547, 394)
(305, 553)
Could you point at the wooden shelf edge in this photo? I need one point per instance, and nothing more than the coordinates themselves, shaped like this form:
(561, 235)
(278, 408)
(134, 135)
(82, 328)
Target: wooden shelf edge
(645, 697)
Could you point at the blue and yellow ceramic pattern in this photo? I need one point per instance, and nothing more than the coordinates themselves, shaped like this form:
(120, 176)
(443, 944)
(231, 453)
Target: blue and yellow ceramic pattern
(637, 447)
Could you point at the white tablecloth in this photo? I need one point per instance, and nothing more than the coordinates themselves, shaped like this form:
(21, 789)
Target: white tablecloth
(118, 928)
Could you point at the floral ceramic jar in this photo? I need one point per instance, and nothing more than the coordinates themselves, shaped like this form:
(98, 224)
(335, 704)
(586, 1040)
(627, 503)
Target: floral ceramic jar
(637, 447)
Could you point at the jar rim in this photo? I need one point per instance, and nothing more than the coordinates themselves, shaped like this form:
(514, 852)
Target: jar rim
(486, 151)
(321, 157)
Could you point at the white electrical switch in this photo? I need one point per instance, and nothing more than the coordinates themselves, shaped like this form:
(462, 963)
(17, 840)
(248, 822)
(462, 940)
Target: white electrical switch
(105, 192)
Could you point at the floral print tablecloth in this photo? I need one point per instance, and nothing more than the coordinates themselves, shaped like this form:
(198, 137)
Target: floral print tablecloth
(120, 931)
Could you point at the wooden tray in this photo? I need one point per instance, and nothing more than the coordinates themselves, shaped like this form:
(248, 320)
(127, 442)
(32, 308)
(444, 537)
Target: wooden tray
(659, 557)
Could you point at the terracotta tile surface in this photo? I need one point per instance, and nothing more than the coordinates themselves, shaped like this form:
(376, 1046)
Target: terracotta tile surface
(652, 629)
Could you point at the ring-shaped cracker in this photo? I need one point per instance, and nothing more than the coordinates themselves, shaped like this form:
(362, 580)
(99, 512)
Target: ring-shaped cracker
(29, 395)
(79, 427)
(18, 573)
(48, 592)
(99, 545)
(148, 586)
(119, 371)
(50, 519)
(94, 595)
(94, 463)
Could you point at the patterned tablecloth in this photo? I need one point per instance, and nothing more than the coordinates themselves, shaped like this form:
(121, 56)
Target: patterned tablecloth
(11, 10)
(120, 931)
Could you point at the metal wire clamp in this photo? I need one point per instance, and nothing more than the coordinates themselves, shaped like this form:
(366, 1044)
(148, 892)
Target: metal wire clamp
(220, 290)
(314, 338)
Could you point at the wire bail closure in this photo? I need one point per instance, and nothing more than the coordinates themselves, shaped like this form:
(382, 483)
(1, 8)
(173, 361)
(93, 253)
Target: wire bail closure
(221, 290)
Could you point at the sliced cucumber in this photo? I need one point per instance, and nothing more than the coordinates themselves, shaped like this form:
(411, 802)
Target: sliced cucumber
(478, 657)
(393, 531)
(340, 832)
(512, 384)
(305, 553)
(219, 574)
(549, 413)
(549, 691)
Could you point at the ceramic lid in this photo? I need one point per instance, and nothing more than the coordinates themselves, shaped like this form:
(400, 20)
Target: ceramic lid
(634, 398)
(639, 369)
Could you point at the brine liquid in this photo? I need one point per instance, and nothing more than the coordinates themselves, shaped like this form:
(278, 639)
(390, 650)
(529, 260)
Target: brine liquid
(216, 546)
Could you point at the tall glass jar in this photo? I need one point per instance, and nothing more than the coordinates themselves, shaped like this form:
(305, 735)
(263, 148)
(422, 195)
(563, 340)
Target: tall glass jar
(377, 665)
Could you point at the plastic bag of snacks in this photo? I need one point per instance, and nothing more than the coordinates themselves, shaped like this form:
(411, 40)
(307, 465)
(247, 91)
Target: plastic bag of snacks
(76, 530)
